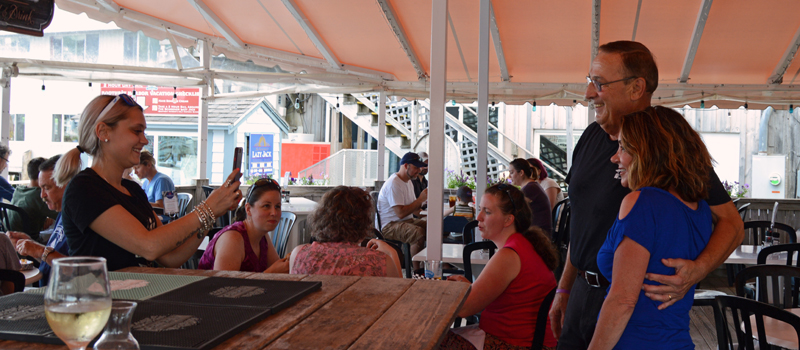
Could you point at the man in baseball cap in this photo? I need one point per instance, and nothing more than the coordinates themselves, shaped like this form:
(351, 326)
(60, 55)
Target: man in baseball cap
(397, 204)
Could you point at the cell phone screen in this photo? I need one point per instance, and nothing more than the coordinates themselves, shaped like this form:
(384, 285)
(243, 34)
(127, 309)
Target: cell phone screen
(237, 159)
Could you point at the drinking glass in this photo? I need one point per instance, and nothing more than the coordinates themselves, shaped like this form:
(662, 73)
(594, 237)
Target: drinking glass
(77, 301)
(118, 331)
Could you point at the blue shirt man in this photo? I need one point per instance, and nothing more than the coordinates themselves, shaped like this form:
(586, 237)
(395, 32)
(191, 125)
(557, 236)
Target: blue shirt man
(154, 183)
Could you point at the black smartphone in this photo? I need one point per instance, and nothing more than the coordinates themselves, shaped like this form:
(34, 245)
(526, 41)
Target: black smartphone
(237, 161)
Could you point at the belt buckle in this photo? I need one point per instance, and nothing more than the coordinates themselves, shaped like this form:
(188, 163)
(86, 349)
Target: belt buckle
(595, 275)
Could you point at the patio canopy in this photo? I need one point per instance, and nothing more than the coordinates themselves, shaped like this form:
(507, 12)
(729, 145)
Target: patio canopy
(724, 52)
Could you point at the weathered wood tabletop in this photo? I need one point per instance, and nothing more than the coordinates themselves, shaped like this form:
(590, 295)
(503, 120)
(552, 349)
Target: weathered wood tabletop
(346, 313)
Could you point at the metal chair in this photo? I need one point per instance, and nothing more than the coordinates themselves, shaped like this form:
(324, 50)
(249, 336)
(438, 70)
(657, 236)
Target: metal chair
(560, 238)
(403, 251)
(467, 257)
(453, 226)
(15, 277)
(790, 249)
(739, 310)
(280, 236)
(774, 284)
(743, 210)
(25, 219)
(183, 203)
(541, 321)
(225, 219)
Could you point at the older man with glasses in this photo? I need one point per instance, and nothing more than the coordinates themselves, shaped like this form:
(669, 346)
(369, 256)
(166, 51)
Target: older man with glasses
(6, 191)
(622, 80)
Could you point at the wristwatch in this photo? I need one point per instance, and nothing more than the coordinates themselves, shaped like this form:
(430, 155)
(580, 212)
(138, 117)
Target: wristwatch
(46, 252)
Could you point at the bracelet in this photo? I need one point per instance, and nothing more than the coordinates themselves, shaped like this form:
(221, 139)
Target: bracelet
(562, 291)
(210, 212)
(46, 252)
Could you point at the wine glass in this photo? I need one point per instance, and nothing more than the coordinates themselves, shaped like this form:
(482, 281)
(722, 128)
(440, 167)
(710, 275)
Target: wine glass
(77, 301)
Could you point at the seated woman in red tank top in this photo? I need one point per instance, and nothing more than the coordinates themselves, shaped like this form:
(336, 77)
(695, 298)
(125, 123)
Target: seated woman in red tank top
(512, 286)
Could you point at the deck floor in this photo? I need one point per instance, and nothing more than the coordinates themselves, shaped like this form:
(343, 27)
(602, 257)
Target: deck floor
(701, 326)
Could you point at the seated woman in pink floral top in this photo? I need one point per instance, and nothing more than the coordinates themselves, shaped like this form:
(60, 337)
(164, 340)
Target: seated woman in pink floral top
(342, 220)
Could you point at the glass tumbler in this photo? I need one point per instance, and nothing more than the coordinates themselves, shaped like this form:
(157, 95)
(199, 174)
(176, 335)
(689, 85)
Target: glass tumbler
(118, 330)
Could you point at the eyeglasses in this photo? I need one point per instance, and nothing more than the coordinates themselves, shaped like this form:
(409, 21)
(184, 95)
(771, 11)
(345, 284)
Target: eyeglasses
(599, 86)
(505, 188)
(121, 97)
(264, 181)
(3, 158)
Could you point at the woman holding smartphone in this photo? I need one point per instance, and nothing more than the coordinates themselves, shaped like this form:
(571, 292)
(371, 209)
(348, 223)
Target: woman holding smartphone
(106, 215)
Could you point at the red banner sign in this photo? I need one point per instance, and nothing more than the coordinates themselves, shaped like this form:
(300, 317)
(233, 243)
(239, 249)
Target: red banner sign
(159, 100)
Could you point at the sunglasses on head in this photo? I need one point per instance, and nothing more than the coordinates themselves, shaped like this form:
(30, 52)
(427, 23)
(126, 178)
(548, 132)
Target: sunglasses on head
(264, 181)
(505, 188)
(121, 97)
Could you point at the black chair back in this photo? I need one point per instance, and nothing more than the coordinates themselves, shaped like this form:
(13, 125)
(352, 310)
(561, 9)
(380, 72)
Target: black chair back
(469, 248)
(403, 251)
(454, 225)
(792, 251)
(743, 210)
(25, 219)
(541, 321)
(468, 234)
(739, 310)
(759, 230)
(374, 196)
(15, 277)
(560, 237)
(774, 284)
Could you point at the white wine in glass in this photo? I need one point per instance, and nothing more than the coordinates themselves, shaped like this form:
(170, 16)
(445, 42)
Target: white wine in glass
(77, 300)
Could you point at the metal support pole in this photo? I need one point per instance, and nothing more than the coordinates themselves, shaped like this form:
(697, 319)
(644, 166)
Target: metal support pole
(528, 128)
(436, 120)
(202, 120)
(382, 136)
(5, 121)
(414, 123)
(483, 104)
(569, 109)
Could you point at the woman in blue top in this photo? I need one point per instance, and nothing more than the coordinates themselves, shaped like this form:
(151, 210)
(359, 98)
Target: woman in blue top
(665, 163)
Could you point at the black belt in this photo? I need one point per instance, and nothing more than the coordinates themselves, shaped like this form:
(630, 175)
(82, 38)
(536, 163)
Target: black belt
(594, 279)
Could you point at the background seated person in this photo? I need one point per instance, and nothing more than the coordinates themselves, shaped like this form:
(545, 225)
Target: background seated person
(29, 200)
(510, 289)
(462, 208)
(8, 261)
(108, 216)
(6, 191)
(57, 244)
(420, 182)
(397, 204)
(245, 245)
(523, 175)
(154, 183)
(550, 186)
(341, 221)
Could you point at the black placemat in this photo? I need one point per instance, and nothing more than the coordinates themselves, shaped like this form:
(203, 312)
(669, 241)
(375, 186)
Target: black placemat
(167, 325)
(22, 319)
(271, 294)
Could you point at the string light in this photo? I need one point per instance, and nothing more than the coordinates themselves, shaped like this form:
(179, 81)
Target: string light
(175, 92)
(337, 101)
(791, 108)
(42, 85)
(745, 104)
(702, 104)
(90, 84)
(534, 105)
(492, 103)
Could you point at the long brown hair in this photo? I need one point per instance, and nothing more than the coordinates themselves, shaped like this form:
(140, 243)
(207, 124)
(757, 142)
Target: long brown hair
(505, 194)
(667, 153)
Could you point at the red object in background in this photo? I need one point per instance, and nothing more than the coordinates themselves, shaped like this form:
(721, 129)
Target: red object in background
(298, 156)
(159, 100)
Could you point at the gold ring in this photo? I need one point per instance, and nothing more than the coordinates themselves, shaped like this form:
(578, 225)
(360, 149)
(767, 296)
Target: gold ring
(228, 183)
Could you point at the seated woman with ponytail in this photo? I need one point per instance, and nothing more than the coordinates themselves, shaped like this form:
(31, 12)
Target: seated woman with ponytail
(245, 244)
(108, 216)
(512, 286)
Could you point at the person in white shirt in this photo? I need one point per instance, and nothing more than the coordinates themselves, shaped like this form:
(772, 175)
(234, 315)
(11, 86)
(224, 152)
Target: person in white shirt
(397, 204)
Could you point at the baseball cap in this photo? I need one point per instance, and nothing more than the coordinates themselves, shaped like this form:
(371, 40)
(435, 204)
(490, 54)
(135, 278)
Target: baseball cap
(413, 159)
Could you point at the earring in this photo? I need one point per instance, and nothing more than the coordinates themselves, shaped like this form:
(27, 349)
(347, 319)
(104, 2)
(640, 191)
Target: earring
(106, 140)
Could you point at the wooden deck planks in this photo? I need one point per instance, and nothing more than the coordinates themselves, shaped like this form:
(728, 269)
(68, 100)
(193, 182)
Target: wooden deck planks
(390, 331)
(341, 321)
(266, 331)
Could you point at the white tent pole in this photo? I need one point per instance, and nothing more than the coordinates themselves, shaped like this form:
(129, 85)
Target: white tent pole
(436, 133)
(382, 135)
(570, 138)
(202, 122)
(414, 123)
(483, 104)
(5, 121)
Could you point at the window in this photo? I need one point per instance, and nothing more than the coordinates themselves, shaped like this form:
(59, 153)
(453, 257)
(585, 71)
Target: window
(17, 132)
(177, 157)
(65, 128)
(139, 49)
(75, 48)
(15, 44)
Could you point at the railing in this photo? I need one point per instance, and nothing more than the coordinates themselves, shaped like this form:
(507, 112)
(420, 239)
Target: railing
(348, 167)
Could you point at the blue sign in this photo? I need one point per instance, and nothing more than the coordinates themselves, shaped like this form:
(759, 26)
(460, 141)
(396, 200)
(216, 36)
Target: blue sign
(260, 155)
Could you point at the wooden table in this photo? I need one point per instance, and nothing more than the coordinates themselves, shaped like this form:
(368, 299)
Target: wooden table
(747, 254)
(346, 313)
(453, 253)
(778, 333)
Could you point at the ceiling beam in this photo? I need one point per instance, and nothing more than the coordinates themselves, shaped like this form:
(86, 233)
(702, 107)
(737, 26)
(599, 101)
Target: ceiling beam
(697, 34)
(636, 21)
(108, 5)
(217, 23)
(312, 33)
(595, 27)
(786, 60)
(401, 36)
(498, 46)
